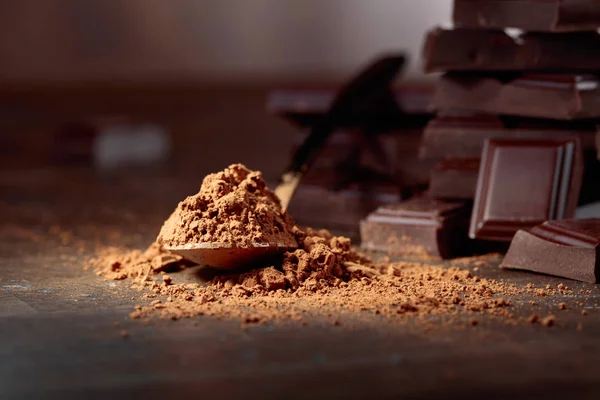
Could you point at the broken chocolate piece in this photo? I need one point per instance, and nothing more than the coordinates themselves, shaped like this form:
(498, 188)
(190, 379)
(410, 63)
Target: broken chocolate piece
(463, 136)
(523, 183)
(567, 248)
(494, 50)
(542, 96)
(530, 15)
(418, 227)
(454, 178)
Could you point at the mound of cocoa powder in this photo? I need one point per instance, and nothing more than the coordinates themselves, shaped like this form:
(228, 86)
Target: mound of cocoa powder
(324, 276)
(233, 206)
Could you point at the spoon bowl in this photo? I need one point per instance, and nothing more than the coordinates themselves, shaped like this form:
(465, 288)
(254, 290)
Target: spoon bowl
(227, 256)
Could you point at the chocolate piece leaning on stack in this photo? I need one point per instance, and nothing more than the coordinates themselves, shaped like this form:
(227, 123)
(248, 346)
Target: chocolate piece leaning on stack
(567, 248)
(523, 183)
(418, 227)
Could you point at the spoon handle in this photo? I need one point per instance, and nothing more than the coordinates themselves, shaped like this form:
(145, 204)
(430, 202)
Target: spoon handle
(374, 79)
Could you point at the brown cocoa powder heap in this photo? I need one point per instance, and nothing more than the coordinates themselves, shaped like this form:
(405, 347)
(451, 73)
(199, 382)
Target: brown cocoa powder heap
(233, 206)
(323, 277)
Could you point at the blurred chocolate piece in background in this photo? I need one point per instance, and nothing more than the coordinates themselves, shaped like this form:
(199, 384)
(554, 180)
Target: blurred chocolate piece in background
(552, 96)
(462, 136)
(418, 227)
(495, 50)
(454, 178)
(403, 107)
(530, 15)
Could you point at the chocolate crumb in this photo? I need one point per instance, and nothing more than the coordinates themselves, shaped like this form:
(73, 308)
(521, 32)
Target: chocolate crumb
(533, 319)
(550, 320)
(124, 334)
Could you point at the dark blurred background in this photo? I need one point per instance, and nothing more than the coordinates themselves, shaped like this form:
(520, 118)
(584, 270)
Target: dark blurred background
(182, 79)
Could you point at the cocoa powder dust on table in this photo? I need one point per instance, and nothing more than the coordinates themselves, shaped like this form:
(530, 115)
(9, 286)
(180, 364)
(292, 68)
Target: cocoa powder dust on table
(323, 277)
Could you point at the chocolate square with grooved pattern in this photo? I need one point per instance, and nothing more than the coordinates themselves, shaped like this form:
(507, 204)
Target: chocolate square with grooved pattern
(523, 183)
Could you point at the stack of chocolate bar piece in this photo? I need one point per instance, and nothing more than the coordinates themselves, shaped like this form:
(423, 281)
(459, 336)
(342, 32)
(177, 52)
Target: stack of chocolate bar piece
(516, 112)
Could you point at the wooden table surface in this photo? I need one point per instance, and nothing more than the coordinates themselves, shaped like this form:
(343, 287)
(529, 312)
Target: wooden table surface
(58, 339)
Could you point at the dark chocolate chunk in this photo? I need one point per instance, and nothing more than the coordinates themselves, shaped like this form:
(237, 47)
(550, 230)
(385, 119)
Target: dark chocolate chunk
(454, 178)
(529, 15)
(463, 136)
(543, 95)
(523, 183)
(417, 227)
(494, 50)
(566, 248)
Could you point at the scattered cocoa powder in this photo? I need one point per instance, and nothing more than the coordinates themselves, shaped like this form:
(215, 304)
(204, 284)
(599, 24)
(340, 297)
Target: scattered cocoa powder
(325, 276)
(136, 265)
(233, 206)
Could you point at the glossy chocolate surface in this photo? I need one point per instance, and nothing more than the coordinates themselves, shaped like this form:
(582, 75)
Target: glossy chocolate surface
(523, 183)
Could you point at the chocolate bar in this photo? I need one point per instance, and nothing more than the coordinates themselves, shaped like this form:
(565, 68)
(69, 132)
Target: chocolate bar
(454, 178)
(494, 50)
(523, 183)
(418, 227)
(567, 248)
(463, 136)
(550, 96)
(529, 15)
